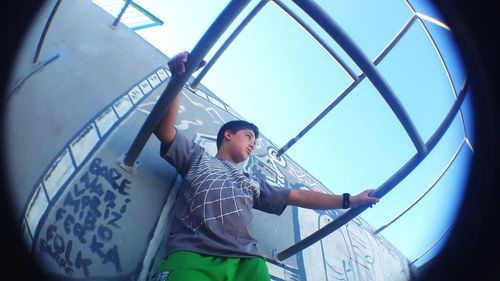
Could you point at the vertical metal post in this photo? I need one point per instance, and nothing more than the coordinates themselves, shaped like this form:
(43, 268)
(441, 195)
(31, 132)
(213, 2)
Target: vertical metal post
(45, 30)
(228, 42)
(176, 83)
(120, 14)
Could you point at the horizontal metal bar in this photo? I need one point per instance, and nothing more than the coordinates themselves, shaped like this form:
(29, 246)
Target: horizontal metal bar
(215, 31)
(135, 28)
(433, 184)
(340, 97)
(343, 39)
(228, 42)
(316, 37)
(382, 190)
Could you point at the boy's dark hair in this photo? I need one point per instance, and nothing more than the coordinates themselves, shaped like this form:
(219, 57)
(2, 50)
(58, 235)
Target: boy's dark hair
(234, 126)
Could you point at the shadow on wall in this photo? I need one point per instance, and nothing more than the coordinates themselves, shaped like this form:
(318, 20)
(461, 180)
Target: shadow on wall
(463, 257)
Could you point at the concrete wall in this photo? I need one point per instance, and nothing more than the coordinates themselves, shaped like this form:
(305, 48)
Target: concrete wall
(86, 218)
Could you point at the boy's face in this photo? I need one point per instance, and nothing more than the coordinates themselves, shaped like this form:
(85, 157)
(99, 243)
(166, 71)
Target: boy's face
(240, 144)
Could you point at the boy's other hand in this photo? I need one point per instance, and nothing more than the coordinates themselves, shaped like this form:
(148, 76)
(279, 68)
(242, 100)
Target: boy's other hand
(177, 64)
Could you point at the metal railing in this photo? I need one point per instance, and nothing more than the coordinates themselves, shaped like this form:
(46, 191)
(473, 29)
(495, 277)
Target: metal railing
(433, 244)
(421, 18)
(429, 188)
(44, 32)
(343, 39)
(129, 13)
(339, 98)
(383, 189)
(120, 14)
(176, 83)
(369, 71)
(228, 42)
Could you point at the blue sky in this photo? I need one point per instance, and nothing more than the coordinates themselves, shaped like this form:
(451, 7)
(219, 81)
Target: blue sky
(284, 79)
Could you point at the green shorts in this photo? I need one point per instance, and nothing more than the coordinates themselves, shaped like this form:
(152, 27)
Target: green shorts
(184, 265)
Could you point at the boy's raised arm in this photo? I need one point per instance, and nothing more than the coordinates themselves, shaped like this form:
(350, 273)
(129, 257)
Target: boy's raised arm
(165, 131)
(317, 200)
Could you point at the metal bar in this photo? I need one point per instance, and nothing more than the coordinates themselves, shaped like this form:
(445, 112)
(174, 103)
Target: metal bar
(320, 116)
(427, 18)
(316, 37)
(351, 213)
(395, 40)
(469, 144)
(447, 71)
(383, 189)
(433, 184)
(433, 140)
(176, 83)
(147, 13)
(44, 32)
(433, 244)
(120, 14)
(343, 39)
(36, 69)
(228, 42)
(340, 97)
(143, 26)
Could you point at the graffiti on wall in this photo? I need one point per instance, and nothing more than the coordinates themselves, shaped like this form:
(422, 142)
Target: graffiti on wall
(301, 177)
(80, 233)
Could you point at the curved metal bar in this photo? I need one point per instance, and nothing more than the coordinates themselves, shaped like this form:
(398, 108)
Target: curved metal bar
(433, 184)
(340, 97)
(36, 69)
(469, 144)
(214, 32)
(433, 244)
(383, 189)
(316, 37)
(341, 37)
(448, 75)
(433, 140)
(44, 32)
(228, 42)
(351, 213)
(422, 17)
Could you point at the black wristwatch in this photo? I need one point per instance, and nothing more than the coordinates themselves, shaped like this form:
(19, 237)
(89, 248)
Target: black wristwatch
(346, 200)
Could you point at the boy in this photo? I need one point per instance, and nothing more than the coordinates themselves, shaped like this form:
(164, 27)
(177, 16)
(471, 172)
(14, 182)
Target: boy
(210, 237)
